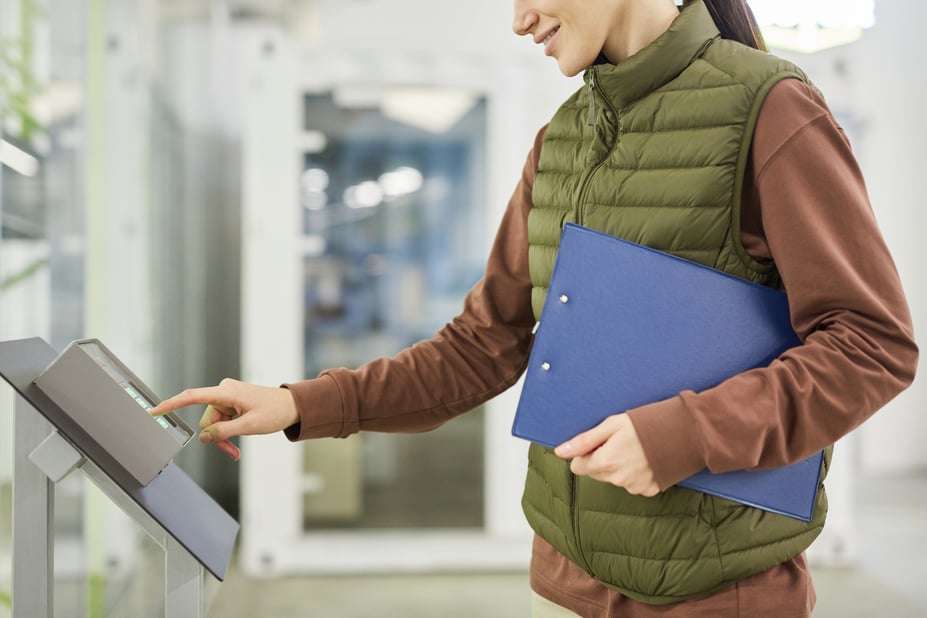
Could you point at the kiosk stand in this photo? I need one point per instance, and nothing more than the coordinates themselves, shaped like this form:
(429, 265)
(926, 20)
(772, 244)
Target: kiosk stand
(196, 534)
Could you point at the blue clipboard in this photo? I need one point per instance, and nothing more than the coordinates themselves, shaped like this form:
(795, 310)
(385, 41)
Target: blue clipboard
(624, 325)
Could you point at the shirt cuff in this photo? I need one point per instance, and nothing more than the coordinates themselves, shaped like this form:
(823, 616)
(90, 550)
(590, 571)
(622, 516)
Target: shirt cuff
(320, 407)
(670, 439)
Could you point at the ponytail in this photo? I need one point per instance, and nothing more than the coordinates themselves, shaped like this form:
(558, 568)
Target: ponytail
(735, 21)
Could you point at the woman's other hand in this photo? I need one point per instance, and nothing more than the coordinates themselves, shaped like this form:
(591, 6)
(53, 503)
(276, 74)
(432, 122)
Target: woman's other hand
(611, 452)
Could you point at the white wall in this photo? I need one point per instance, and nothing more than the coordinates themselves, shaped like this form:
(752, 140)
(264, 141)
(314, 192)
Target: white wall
(891, 87)
(879, 84)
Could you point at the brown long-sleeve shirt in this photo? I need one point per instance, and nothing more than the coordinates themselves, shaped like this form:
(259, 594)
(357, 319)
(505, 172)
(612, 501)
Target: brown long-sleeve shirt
(805, 204)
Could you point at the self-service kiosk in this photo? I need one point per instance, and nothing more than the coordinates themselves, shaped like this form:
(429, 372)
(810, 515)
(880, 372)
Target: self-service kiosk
(99, 393)
(84, 409)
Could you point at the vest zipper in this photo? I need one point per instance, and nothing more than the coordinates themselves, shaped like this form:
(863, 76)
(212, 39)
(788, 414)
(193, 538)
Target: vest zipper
(591, 120)
(590, 117)
(574, 511)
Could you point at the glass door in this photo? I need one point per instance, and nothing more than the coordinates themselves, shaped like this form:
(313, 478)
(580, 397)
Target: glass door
(392, 240)
(365, 223)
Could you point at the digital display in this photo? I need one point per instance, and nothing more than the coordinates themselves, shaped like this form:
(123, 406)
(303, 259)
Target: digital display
(180, 432)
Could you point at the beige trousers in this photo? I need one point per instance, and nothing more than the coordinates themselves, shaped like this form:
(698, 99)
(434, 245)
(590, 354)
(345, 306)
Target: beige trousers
(542, 608)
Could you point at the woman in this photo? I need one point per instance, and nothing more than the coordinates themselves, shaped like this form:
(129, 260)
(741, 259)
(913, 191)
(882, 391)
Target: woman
(690, 139)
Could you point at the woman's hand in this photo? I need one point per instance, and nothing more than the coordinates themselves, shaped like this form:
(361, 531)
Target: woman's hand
(235, 408)
(611, 452)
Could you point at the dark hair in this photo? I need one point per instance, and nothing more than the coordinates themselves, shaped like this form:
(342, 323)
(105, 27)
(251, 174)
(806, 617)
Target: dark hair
(735, 21)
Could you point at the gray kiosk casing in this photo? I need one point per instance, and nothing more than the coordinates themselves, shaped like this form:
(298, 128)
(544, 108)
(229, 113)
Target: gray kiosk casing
(172, 500)
(110, 402)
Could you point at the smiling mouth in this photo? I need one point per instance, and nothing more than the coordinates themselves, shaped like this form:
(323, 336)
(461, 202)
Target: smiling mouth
(547, 41)
(550, 35)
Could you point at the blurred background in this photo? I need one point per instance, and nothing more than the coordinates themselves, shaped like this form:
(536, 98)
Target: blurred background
(262, 189)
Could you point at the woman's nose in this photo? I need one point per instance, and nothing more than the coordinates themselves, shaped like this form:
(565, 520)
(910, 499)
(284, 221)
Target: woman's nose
(525, 18)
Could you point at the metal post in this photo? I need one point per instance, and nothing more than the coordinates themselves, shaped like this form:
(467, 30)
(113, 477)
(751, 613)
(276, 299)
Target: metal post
(33, 519)
(183, 582)
(184, 576)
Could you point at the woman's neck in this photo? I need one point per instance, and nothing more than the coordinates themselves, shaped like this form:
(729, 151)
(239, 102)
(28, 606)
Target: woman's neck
(638, 25)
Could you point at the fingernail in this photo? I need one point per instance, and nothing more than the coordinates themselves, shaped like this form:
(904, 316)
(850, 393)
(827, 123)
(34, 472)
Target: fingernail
(564, 449)
(207, 436)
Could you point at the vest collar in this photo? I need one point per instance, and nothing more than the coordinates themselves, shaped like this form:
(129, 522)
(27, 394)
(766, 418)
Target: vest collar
(661, 61)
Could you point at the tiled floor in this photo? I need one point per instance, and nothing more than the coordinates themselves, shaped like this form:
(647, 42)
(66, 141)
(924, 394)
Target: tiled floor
(888, 580)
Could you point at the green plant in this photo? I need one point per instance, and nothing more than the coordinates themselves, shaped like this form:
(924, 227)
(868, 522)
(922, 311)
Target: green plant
(18, 84)
(22, 275)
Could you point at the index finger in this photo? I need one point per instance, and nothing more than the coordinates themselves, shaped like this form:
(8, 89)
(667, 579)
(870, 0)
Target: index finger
(214, 395)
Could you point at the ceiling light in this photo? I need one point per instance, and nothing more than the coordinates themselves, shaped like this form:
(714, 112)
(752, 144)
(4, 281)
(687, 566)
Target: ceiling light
(313, 142)
(314, 179)
(401, 181)
(812, 25)
(367, 194)
(433, 109)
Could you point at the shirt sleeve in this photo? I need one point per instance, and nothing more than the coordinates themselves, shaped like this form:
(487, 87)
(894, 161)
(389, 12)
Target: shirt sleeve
(480, 353)
(806, 208)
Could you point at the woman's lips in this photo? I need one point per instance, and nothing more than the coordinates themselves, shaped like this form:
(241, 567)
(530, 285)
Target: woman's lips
(548, 40)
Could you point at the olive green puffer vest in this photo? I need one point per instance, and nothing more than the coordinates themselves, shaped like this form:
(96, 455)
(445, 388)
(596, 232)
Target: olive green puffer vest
(654, 150)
